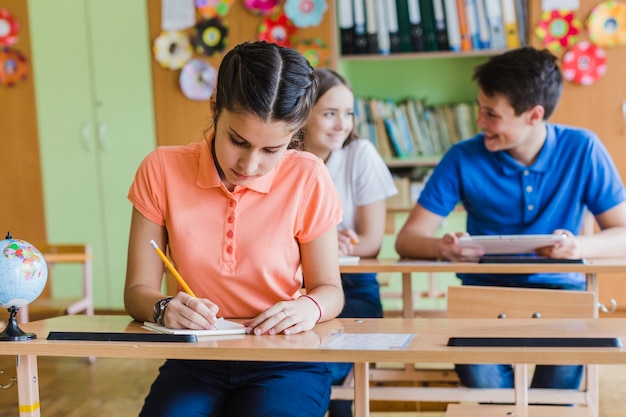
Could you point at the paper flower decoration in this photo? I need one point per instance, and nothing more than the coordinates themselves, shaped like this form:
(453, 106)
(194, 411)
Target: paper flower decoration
(262, 7)
(212, 8)
(13, 66)
(197, 80)
(315, 51)
(606, 24)
(9, 28)
(584, 63)
(305, 13)
(558, 29)
(209, 37)
(172, 49)
(277, 29)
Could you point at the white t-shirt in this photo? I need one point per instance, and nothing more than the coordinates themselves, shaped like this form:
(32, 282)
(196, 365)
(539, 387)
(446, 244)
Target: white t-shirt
(361, 178)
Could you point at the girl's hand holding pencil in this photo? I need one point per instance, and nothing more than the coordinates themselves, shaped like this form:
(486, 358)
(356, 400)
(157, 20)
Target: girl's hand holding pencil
(192, 312)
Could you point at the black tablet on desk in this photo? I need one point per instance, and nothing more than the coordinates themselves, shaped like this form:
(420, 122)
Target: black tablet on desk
(599, 342)
(122, 337)
(526, 259)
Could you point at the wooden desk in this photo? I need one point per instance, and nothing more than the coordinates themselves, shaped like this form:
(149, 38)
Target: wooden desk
(429, 345)
(407, 267)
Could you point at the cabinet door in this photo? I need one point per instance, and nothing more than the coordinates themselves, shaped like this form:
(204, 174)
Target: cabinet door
(124, 117)
(94, 105)
(63, 93)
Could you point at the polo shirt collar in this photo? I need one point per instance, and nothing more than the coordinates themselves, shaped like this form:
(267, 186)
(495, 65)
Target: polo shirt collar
(546, 156)
(208, 176)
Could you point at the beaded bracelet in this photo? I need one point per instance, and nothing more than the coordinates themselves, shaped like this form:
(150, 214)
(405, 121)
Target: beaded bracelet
(318, 306)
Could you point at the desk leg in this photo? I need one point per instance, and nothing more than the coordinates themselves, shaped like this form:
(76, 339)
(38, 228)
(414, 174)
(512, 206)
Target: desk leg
(521, 389)
(361, 389)
(407, 296)
(28, 386)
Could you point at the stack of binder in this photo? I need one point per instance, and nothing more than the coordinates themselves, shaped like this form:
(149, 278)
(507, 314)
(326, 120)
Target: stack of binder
(404, 26)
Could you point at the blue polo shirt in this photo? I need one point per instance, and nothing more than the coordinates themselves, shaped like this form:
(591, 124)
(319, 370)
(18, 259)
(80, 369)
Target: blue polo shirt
(572, 172)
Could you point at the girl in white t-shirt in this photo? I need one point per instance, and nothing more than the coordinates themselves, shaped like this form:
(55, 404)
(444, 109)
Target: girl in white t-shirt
(364, 183)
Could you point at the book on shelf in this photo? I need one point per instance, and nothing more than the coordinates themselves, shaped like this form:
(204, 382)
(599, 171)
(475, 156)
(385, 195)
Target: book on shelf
(427, 13)
(416, 26)
(346, 26)
(404, 26)
(391, 14)
(360, 30)
(466, 38)
(452, 25)
(509, 17)
(441, 30)
(493, 11)
(371, 26)
(472, 23)
(521, 15)
(382, 27)
(484, 36)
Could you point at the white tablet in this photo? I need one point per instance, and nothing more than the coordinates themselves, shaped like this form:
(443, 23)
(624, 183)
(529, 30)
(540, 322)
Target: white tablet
(509, 244)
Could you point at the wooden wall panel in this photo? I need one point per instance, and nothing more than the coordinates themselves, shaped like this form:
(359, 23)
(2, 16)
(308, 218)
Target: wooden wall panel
(179, 120)
(21, 210)
(598, 107)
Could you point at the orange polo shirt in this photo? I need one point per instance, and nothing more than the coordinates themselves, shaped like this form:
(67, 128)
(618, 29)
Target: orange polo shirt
(239, 249)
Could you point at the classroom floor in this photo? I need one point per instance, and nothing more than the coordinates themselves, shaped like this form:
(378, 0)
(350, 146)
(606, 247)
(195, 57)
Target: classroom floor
(70, 387)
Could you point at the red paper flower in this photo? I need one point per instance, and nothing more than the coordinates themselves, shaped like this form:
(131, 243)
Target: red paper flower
(558, 29)
(277, 29)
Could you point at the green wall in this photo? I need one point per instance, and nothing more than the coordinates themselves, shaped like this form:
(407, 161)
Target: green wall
(439, 80)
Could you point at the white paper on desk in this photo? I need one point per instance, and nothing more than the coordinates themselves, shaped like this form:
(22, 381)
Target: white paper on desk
(349, 260)
(225, 327)
(369, 341)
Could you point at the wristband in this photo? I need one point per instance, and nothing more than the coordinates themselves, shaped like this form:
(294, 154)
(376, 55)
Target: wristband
(318, 306)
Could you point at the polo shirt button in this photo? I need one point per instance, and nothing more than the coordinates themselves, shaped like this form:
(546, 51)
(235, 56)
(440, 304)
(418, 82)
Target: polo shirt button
(531, 207)
(529, 188)
(229, 234)
(232, 203)
(231, 219)
(229, 249)
(526, 173)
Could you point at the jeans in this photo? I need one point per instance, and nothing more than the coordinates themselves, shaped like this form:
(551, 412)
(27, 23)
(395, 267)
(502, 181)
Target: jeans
(362, 293)
(501, 376)
(194, 388)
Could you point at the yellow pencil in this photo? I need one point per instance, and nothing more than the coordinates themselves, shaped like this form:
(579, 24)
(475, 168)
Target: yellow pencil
(173, 270)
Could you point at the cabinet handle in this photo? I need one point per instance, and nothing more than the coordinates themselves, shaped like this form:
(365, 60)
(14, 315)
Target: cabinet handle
(624, 114)
(102, 131)
(87, 141)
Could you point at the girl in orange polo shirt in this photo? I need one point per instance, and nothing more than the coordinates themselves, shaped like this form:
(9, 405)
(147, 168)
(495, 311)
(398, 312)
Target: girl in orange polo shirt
(240, 214)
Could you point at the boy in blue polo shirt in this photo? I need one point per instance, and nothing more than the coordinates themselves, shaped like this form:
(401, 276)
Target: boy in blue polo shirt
(521, 175)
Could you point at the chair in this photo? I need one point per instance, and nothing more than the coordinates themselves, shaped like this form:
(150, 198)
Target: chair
(515, 303)
(46, 305)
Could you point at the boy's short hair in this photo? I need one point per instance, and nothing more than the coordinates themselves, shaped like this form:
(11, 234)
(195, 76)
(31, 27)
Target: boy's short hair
(525, 76)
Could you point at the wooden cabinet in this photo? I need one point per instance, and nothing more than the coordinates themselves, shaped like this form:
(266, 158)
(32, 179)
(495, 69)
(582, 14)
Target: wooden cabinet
(21, 211)
(91, 66)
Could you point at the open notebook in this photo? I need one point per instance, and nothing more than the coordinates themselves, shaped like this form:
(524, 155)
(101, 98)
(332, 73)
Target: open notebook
(225, 327)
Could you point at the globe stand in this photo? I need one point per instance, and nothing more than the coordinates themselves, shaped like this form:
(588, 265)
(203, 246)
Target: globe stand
(13, 332)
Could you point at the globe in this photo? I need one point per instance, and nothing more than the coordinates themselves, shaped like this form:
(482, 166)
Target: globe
(23, 276)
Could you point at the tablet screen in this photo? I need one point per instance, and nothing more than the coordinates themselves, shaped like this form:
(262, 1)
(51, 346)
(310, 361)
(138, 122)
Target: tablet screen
(509, 244)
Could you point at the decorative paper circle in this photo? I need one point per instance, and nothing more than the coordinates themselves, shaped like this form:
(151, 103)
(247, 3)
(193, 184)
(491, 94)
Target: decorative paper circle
(277, 29)
(172, 49)
(209, 37)
(558, 29)
(262, 7)
(606, 25)
(197, 80)
(315, 51)
(305, 13)
(212, 8)
(584, 63)
(9, 28)
(13, 66)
